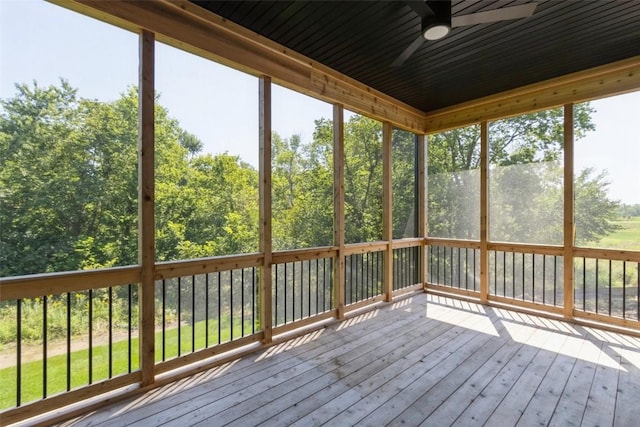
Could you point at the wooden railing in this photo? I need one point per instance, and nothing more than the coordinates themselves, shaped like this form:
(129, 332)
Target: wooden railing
(605, 282)
(203, 308)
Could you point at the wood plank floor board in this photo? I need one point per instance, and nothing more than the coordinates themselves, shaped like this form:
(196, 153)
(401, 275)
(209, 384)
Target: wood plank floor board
(509, 411)
(420, 409)
(332, 400)
(214, 401)
(627, 410)
(449, 410)
(493, 393)
(602, 395)
(426, 360)
(394, 406)
(541, 406)
(249, 373)
(344, 371)
(573, 401)
(301, 401)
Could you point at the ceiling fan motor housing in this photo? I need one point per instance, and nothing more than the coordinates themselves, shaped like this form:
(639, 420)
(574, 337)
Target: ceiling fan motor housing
(437, 25)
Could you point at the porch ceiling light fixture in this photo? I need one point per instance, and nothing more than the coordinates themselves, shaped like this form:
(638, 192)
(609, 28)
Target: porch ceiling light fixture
(434, 29)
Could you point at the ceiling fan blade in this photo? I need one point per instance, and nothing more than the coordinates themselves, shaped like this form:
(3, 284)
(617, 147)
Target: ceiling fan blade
(408, 51)
(502, 14)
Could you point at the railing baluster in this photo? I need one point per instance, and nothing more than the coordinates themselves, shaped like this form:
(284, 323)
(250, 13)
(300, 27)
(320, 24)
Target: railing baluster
(44, 346)
(231, 305)
(533, 277)
(193, 313)
(219, 307)
(624, 289)
(544, 278)
(242, 300)
(597, 283)
(129, 327)
(164, 319)
(110, 292)
(253, 300)
(68, 356)
(206, 310)
(179, 316)
(19, 352)
(285, 292)
(90, 336)
(584, 283)
(609, 287)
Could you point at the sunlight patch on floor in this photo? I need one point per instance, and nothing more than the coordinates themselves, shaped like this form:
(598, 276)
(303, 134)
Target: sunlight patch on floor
(575, 346)
(358, 319)
(633, 357)
(290, 344)
(403, 303)
(474, 321)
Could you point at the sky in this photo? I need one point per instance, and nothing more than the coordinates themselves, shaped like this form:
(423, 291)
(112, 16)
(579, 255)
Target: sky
(44, 42)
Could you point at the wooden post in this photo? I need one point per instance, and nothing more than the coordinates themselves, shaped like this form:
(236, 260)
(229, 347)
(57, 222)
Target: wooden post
(266, 311)
(422, 208)
(387, 211)
(484, 211)
(568, 211)
(146, 194)
(338, 209)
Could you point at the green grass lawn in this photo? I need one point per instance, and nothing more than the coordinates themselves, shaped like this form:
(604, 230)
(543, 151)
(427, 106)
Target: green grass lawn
(32, 372)
(628, 237)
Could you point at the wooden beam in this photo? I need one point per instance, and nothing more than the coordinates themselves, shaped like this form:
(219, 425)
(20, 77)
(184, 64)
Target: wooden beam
(264, 160)
(568, 211)
(338, 209)
(387, 211)
(187, 26)
(484, 211)
(423, 205)
(37, 285)
(146, 203)
(615, 78)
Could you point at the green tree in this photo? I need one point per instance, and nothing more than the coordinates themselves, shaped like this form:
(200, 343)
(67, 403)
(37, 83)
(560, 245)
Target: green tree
(68, 186)
(526, 180)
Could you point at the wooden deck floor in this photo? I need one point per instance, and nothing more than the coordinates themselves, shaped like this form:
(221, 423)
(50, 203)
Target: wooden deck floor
(425, 360)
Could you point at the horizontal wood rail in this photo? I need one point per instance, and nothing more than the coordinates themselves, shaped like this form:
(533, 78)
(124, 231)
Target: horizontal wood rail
(53, 403)
(303, 255)
(453, 243)
(526, 248)
(613, 254)
(407, 243)
(363, 248)
(167, 270)
(37, 285)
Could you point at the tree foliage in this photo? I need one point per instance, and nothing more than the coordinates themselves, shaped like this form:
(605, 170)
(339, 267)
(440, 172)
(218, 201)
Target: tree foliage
(69, 186)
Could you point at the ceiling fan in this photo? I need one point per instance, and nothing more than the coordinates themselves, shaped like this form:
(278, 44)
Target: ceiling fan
(436, 20)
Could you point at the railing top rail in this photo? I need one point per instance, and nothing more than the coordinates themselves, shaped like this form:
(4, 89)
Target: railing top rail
(37, 285)
(167, 270)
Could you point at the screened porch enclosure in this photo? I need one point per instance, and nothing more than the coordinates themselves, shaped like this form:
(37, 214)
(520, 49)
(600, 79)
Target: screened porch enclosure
(385, 265)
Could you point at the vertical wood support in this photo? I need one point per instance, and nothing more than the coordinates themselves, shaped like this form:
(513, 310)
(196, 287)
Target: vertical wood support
(484, 211)
(387, 211)
(146, 215)
(266, 303)
(423, 205)
(568, 211)
(338, 209)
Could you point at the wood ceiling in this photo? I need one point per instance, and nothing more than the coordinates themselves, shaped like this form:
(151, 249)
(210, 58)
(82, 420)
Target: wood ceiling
(361, 39)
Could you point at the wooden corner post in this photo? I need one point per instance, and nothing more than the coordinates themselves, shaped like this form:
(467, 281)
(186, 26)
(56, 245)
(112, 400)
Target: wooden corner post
(387, 211)
(484, 211)
(568, 212)
(266, 307)
(422, 208)
(146, 194)
(338, 209)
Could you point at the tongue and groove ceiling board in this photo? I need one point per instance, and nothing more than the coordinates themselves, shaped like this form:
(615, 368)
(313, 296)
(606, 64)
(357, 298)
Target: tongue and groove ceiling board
(361, 39)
